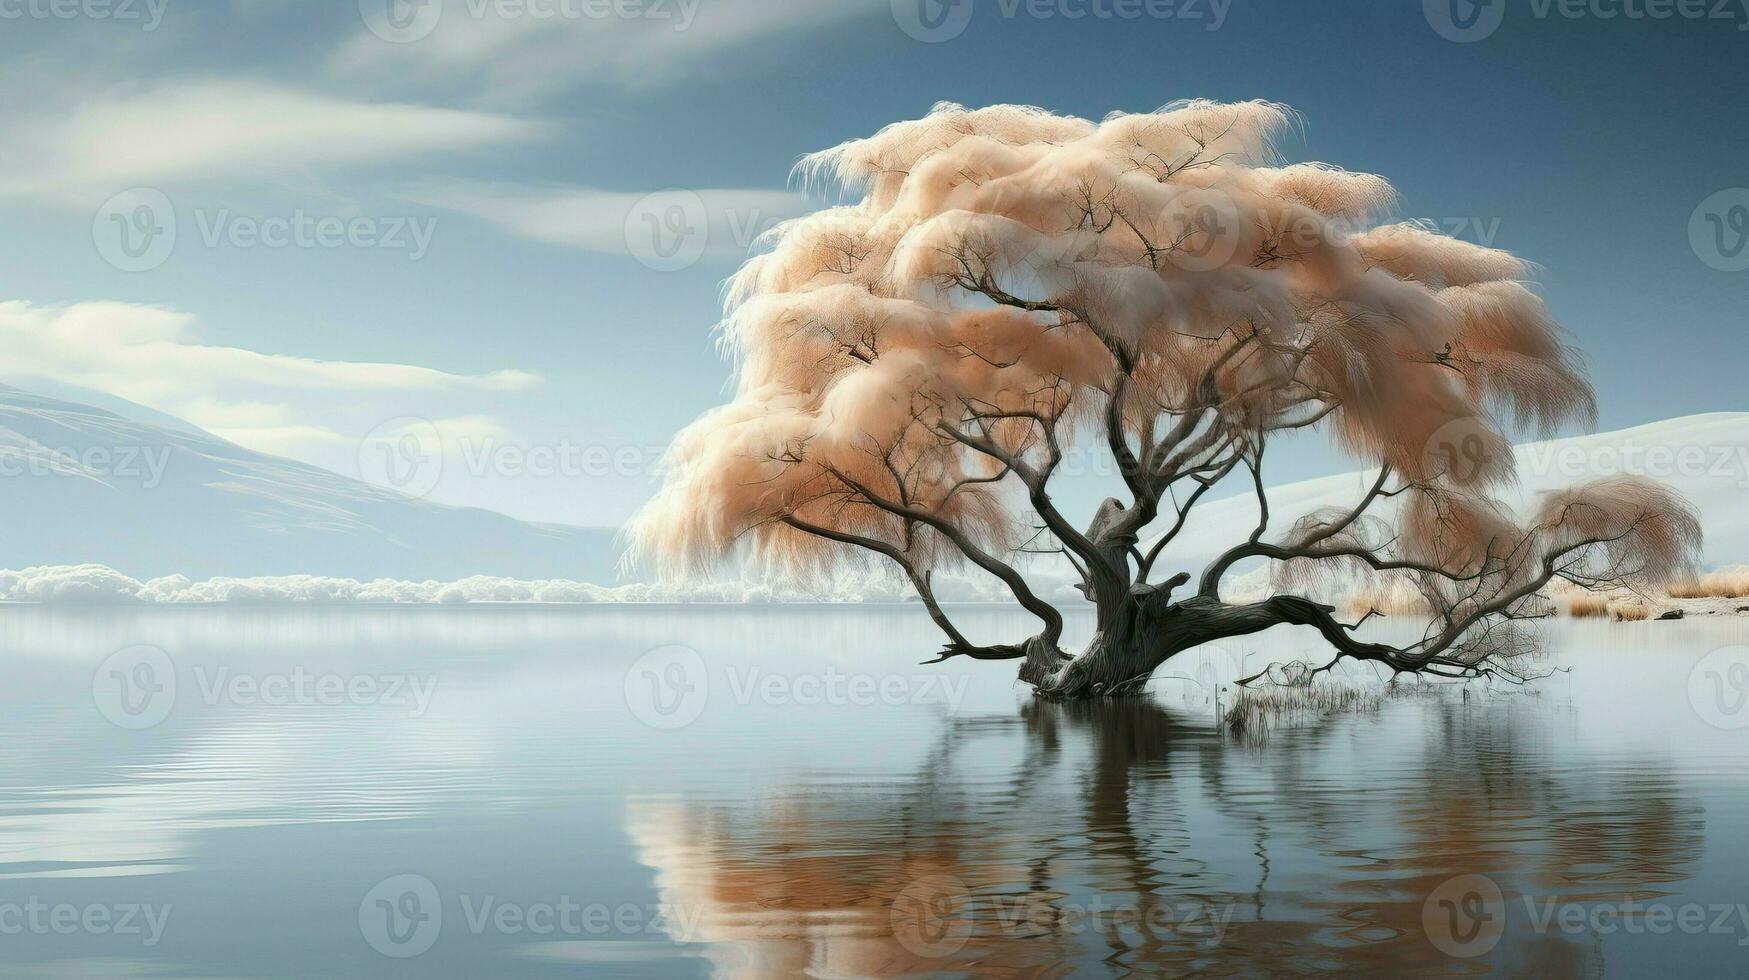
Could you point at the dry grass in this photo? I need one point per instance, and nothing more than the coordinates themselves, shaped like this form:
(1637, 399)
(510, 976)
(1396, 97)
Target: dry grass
(1394, 599)
(1255, 711)
(1726, 583)
(1629, 612)
(1587, 605)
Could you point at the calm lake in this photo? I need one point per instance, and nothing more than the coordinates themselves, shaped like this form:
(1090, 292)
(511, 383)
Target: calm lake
(698, 792)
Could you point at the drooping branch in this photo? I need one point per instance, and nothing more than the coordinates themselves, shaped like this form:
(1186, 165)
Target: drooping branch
(1047, 614)
(1015, 285)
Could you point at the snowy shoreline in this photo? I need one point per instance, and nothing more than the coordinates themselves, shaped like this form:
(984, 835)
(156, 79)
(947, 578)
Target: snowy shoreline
(100, 585)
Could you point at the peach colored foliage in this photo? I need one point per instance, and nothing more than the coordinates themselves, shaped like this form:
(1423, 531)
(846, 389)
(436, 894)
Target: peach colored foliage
(912, 367)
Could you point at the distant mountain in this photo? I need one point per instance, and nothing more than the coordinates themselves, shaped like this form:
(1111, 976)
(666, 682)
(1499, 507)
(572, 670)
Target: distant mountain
(149, 495)
(81, 484)
(92, 398)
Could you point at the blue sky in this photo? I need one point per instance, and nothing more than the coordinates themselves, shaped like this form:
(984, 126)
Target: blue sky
(464, 189)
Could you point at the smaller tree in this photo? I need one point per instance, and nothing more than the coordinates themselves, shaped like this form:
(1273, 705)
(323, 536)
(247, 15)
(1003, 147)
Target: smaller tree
(1013, 284)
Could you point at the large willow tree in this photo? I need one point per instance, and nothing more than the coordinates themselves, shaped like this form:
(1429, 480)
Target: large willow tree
(1014, 284)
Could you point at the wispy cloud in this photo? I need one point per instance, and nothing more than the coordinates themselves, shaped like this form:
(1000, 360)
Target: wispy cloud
(715, 221)
(107, 142)
(518, 50)
(296, 406)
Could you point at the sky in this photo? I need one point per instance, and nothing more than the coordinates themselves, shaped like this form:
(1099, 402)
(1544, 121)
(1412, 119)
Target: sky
(345, 232)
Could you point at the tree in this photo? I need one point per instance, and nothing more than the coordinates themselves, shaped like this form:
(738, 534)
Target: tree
(1013, 284)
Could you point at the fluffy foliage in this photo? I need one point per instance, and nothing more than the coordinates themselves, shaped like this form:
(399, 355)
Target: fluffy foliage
(1012, 284)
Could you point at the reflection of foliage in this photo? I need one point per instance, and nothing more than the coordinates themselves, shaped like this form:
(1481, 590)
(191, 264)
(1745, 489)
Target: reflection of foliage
(1315, 856)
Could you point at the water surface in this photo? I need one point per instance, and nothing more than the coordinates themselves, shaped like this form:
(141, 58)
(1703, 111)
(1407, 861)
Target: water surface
(780, 792)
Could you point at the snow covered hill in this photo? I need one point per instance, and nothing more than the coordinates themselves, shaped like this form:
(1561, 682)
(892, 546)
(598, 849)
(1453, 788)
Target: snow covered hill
(80, 484)
(132, 500)
(1704, 457)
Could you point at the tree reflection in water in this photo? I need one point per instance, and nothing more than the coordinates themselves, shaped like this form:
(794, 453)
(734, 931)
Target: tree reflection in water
(1089, 838)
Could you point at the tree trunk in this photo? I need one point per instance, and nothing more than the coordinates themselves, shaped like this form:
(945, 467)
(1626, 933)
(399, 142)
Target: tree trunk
(1150, 629)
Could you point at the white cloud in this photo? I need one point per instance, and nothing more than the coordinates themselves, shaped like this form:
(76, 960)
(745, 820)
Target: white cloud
(144, 136)
(729, 220)
(518, 50)
(275, 403)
